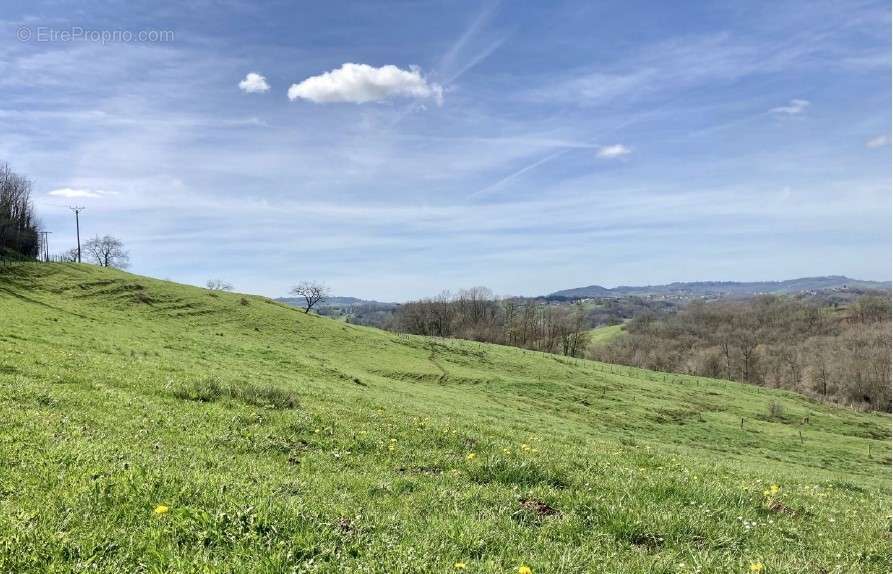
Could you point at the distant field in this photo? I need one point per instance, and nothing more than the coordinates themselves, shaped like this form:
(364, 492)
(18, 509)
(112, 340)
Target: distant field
(605, 334)
(147, 426)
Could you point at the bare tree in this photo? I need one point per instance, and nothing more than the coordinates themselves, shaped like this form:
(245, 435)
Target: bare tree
(218, 285)
(312, 292)
(19, 228)
(70, 256)
(107, 251)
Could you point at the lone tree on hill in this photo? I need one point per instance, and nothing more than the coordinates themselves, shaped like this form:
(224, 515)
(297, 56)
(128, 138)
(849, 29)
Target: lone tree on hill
(107, 251)
(218, 285)
(312, 292)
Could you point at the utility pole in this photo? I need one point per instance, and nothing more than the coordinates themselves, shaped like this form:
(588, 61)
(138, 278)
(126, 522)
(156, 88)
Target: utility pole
(46, 245)
(77, 223)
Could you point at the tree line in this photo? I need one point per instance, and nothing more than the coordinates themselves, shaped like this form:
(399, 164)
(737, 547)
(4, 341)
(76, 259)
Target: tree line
(19, 226)
(836, 353)
(476, 314)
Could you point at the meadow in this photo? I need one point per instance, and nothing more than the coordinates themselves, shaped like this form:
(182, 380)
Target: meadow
(147, 426)
(605, 334)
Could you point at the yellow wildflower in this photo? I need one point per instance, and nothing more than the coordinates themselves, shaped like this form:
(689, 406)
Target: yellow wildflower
(756, 566)
(459, 565)
(161, 509)
(772, 490)
(524, 569)
(471, 456)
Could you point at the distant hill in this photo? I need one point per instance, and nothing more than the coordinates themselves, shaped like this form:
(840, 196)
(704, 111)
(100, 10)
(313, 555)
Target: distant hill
(726, 288)
(336, 302)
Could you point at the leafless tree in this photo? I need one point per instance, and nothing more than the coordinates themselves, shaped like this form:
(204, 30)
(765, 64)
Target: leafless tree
(478, 315)
(784, 342)
(218, 285)
(70, 256)
(19, 228)
(312, 292)
(107, 251)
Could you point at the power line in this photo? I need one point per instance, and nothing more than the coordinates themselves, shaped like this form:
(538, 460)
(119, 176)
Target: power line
(77, 222)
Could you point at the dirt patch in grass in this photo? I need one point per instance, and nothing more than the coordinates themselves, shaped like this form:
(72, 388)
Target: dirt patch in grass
(780, 507)
(538, 507)
(346, 526)
(424, 470)
(648, 541)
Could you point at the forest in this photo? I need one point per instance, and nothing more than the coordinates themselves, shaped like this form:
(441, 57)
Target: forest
(838, 353)
(477, 315)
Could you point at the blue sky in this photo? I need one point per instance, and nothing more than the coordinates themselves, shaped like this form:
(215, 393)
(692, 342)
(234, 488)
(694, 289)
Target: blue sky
(396, 150)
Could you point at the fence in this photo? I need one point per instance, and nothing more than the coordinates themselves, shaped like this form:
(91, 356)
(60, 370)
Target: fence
(7, 260)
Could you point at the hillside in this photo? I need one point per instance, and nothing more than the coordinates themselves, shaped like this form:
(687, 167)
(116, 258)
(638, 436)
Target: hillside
(726, 288)
(147, 426)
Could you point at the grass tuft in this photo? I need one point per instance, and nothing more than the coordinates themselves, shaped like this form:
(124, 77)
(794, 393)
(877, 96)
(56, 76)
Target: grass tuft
(210, 389)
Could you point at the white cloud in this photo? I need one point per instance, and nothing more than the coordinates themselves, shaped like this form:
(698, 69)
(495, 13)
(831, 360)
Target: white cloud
(254, 83)
(794, 107)
(877, 142)
(70, 193)
(611, 151)
(361, 83)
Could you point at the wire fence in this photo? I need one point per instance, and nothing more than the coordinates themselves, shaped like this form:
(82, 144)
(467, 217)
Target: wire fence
(15, 260)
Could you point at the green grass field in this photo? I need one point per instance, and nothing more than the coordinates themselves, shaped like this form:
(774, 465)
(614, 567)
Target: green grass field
(605, 334)
(147, 426)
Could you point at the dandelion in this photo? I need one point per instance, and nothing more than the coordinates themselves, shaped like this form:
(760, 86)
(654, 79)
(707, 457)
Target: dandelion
(471, 456)
(772, 490)
(522, 569)
(161, 509)
(459, 565)
(756, 566)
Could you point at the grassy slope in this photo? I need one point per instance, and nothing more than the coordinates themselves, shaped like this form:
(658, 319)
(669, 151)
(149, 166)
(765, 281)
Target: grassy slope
(605, 334)
(370, 471)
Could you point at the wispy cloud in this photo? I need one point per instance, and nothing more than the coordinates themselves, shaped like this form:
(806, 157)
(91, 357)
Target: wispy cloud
(494, 187)
(451, 65)
(794, 107)
(612, 151)
(653, 69)
(876, 142)
(70, 193)
(361, 83)
(254, 83)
